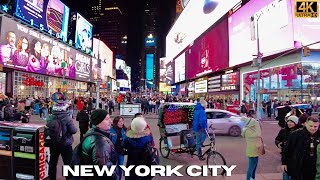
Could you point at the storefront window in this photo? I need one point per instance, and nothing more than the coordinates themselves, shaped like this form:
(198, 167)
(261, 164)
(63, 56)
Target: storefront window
(3, 82)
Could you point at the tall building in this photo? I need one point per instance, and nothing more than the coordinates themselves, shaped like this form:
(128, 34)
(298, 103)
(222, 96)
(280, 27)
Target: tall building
(108, 19)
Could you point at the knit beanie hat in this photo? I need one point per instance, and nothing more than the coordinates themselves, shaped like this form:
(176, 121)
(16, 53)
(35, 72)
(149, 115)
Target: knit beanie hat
(138, 124)
(294, 119)
(97, 116)
(59, 103)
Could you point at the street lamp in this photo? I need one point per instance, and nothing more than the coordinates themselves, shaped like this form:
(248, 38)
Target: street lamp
(257, 63)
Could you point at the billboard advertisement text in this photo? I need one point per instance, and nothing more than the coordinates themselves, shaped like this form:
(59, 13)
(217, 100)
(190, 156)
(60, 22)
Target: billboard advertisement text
(51, 16)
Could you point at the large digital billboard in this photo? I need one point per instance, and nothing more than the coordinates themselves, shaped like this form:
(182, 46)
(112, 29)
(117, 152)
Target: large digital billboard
(210, 53)
(149, 66)
(83, 35)
(180, 68)
(169, 73)
(163, 63)
(103, 52)
(195, 19)
(25, 49)
(51, 16)
(274, 35)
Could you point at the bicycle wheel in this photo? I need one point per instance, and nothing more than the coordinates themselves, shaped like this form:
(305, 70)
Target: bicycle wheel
(215, 158)
(164, 150)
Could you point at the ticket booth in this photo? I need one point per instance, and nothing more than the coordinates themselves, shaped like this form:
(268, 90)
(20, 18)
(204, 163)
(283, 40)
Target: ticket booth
(30, 158)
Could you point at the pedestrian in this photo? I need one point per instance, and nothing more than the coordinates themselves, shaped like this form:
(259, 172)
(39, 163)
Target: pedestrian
(137, 138)
(255, 146)
(97, 149)
(63, 146)
(199, 125)
(300, 154)
(83, 119)
(118, 135)
(282, 137)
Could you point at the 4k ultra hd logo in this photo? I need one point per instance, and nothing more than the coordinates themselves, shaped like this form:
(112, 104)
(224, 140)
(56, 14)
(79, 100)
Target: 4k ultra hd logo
(306, 9)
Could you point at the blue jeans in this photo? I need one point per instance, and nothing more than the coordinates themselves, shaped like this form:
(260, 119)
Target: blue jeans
(200, 138)
(45, 113)
(121, 162)
(252, 167)
(285, 176)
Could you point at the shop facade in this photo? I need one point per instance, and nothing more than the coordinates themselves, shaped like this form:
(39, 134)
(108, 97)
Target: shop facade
(224, 86)
(290, 78)
(201, 87)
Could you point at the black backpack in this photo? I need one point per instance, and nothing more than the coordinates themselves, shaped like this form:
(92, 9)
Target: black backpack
(53, 132)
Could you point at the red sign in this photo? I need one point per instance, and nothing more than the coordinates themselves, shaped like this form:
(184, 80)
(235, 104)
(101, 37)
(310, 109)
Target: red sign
(31, 81)
(42, 157)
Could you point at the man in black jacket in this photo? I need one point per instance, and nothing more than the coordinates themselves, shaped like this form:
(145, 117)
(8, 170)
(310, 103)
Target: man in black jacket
(299, 156)
(83, 119)
(98, 149)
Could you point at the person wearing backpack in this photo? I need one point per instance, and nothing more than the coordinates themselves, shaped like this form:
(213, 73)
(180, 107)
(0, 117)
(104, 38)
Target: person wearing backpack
(138, 139)
(9, 112)
(97, 148)
(58, 134)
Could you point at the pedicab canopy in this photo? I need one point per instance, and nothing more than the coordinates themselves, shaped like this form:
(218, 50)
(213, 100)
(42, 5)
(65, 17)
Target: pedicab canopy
(175, 113)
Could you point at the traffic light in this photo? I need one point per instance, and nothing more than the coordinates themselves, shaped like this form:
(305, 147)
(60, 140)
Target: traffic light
(306, 51)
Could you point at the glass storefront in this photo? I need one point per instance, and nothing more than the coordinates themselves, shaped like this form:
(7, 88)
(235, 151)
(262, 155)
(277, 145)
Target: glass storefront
(34, 85)
(299, 82)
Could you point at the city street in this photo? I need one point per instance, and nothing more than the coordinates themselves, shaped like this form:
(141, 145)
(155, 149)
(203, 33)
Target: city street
(232, 148)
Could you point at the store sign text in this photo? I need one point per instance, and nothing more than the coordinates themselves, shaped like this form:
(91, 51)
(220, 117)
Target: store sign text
(30, 81)
(82, 64)
(42, 156)
(225, 88)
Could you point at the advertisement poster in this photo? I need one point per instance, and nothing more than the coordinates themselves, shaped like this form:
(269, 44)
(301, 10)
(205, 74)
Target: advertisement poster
(243, 30)
(230, 81)
(163, 64)
(201, 86)
(96, 71)
(83, 36)
(24, 49)
(164, 88)
(169, 73)
(180, 68)
(51, 16)
(103, 52)
(210, 53)
(149, 66)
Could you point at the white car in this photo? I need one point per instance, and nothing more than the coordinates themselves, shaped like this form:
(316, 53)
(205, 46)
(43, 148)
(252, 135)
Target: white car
(224, 122)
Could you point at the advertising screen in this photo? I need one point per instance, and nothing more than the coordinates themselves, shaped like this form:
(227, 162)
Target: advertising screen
(114, 85)
(25, 49)
(83, 37)
(96, 70)
(164, 88)
(163, 63)
(51, 16)
(230, 81)
(101, 51)
(201, 86)
(123, 83)
(195, 19)
(210, 53)
(169, 73)
(149, 66)
(149, 42)
(180, 68)
(274, 36)
(120, 64)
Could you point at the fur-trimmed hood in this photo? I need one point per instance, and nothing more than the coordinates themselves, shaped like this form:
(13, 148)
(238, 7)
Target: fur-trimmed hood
(132, 134)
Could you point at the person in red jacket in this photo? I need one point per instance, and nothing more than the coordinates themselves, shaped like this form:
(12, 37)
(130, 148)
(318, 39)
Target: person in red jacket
(80, 104)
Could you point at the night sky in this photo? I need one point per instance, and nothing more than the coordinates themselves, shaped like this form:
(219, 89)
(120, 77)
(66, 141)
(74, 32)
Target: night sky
(134, 9)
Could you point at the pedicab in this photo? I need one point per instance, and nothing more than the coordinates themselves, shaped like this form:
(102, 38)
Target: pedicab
(177, 136)
(283, 112)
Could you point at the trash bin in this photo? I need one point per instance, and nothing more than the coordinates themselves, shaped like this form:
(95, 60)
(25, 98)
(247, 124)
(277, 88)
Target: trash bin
(6, 152)
(30, 157)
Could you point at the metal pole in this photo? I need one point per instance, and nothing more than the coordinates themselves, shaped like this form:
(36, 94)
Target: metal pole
(258, 77)
(98, 94)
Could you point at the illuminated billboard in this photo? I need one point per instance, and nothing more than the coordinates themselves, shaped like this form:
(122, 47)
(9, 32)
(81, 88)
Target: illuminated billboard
(164, 88)
(51, 16)
(103, 52)
(180, 68)
(149, 66)
(194, 20)
(83, 34)
(150, 42)
(25, 49)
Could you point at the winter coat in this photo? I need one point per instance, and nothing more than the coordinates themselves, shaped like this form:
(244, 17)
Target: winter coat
(83, 119)
(283, 136)
(114, 137)
(68, 127)
(297, 149)
(136, 143)
(99, 150)
(199, 118)
(253, 137)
